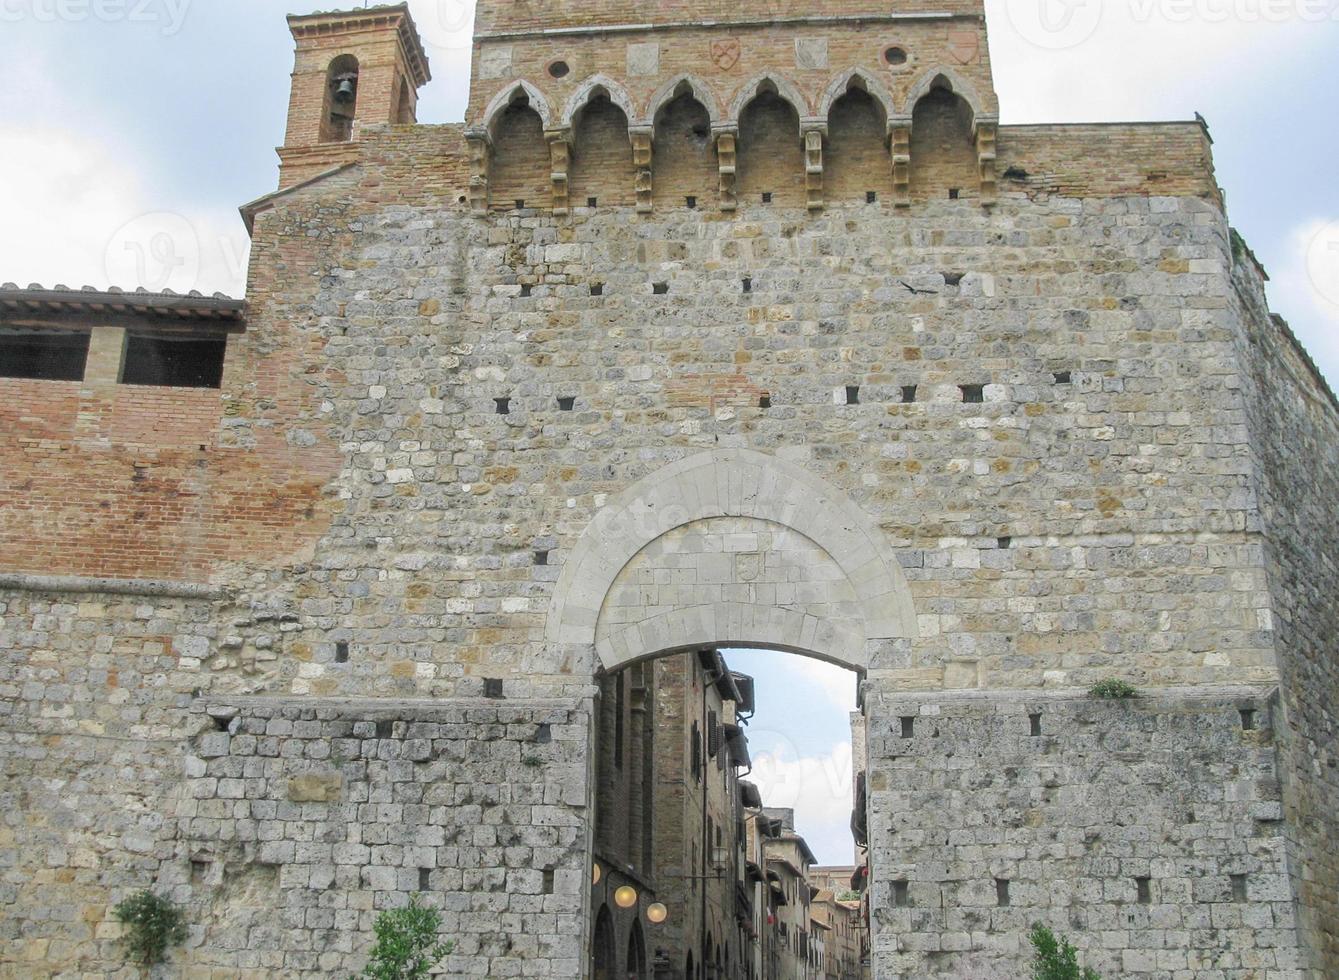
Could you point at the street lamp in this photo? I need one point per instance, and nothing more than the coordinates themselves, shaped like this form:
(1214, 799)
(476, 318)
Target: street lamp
(625, 897)
(657, 913)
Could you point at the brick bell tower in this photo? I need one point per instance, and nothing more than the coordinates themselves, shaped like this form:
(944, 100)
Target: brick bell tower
(554, 58)
(353, 69)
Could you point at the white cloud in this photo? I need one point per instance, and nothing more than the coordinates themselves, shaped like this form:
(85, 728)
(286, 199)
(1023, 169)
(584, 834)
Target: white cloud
(1077, 60)
(836, 684)
(819, 789)
(87, 218)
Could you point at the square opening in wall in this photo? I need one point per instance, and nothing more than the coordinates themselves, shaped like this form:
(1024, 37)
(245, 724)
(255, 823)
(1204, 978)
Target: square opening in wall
(1063, 377)
(871, 197)
(1002, 893)
(342, 652)
(493, 688)
(660, 288)
(527, 289)
(566, 403)
(174, 361)
(901, 895)
(954, 194)
(503, 405)
(908, 726)
(43, 355)
(767, 197)
(691, 202)
(908, 394)
(597, 289)
(853, 394)
(592, 202)
(765, 401)
(1144, 890)
(973, 394)
(747, 283)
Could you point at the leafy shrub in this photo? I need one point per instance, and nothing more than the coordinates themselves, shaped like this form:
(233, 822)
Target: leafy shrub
(407, 946)
(152, 925)
(1056, 959)
(1114, 690)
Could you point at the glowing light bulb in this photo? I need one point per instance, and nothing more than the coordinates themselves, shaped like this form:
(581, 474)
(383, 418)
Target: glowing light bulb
(625, 897)
(657, 914)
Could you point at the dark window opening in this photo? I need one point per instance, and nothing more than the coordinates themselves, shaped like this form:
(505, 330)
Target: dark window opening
(520, 204)
(1035, 721)
(566, 404)
(597, 289)
(901, 895)
(853, 394)
(503, 405)
(690, 201)
(174, 362)
(424, 876)
(1238, 888)
(527, 289)
(541, 557)
(44, 355)
(871, 197)
(1144, 889)
(620, 704)
(908, 394)
(1002, 893)
(973, 394)
(1004, 543)
(908, 727)
(1248, 719)
(548, 880)
(1063, 377)
(660, 288)
(493, 688)
(592, 202)
(748, 284)
(767, 197)
(341, 652)
(953, 278)
(954, 194)
(765, 401)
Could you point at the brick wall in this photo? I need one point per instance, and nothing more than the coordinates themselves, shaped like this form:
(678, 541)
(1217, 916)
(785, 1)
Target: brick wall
(521, 163)
(685, 156)
(771, 157)
(856, 159)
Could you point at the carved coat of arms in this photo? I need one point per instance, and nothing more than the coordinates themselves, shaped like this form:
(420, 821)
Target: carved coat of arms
(725, 53)
(964, 45)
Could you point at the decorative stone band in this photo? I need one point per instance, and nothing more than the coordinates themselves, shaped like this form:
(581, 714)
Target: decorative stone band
(78, 584)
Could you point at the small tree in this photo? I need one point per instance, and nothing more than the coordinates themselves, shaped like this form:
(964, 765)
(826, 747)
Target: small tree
(152, 924)
(407, 946)
(1056, 959)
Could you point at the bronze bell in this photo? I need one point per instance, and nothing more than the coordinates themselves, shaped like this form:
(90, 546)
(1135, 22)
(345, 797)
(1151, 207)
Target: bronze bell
(345, 91)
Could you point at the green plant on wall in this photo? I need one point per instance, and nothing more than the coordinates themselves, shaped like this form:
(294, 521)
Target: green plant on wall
(1055, 958)
(152, 924)
(1114, 690)
(407, 946)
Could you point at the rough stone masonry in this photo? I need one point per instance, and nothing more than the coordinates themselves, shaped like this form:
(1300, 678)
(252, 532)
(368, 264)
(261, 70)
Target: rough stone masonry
(989, 413)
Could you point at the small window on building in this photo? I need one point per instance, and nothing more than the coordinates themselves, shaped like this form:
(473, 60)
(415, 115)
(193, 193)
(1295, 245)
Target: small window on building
(169, 361)
(43, 355)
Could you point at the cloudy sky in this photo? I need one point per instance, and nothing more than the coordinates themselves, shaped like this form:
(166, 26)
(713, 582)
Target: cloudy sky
(131, 130)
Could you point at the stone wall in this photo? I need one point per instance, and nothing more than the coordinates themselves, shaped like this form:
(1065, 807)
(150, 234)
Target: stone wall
(1295, 424)
(1149, 831)
(282, 827)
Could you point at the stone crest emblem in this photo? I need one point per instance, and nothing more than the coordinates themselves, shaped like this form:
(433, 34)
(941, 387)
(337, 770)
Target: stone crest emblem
(964, 45)
(725, 53)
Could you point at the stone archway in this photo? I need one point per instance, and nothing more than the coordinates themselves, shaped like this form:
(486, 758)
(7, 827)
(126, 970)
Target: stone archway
(731, 547)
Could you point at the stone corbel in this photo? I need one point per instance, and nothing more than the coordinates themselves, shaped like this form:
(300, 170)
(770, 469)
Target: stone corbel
(479, 146)
(987, 130)
(642, 160)
(899, 135)
(813, 164)
(727, 164)
(560, 162)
